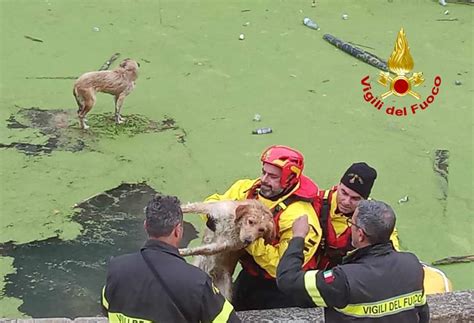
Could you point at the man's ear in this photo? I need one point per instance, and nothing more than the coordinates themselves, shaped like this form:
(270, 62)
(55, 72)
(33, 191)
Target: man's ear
(240, 211)
(361, 235)
(178, 230)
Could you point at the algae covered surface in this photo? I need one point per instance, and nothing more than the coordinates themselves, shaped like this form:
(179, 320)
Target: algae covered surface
(189, 125)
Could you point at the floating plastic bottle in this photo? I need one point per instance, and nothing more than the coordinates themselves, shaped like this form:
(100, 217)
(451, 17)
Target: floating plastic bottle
(262, 131)
(311, 24)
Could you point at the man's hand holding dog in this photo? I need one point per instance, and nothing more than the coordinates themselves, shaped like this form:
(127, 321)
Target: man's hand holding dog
(300, 227)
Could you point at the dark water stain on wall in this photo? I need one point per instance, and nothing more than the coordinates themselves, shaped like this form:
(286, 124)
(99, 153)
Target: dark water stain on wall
(64, 278)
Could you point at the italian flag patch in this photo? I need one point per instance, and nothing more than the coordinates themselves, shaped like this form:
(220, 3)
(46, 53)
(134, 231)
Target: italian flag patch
(328, 276)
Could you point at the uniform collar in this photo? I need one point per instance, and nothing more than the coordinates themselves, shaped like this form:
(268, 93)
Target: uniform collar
(372, 250)
(160, 245)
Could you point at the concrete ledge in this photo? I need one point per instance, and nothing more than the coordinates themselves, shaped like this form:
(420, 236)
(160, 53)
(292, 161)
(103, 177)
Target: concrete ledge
(456, 307)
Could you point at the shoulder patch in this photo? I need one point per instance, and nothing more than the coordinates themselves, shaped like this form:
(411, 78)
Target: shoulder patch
(328, 276)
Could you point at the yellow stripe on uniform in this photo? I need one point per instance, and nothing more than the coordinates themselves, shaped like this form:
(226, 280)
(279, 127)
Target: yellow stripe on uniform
(120, 318)
(223, 316)
(312, 289)
(104, 300)
(385, 307)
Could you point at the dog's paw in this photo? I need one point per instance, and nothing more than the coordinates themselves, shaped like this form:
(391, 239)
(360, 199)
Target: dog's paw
(83, 126)
(184, 251)
(119, 119)
(187, 208)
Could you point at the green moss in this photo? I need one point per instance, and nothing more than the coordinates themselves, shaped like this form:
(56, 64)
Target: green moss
(104, 124)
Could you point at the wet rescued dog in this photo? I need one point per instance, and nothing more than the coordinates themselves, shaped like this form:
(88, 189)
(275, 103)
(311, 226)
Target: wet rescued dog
(118, 82)
(237, 224)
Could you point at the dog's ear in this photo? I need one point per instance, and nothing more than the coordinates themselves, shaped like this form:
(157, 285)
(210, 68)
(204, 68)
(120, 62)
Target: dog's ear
(124, 62)
(270, 232)
(240, 211)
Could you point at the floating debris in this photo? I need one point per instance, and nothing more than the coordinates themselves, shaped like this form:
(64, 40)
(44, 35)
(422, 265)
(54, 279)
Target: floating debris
(446, 12)
(345, 17)
(311, 24)
(51, 77)
(453, 260)
(403, 199)
(241, 36)
(358, 53)
(262, 131)
(34, 39)
(257, 117)
(457, 82)
(441, 163)
(107, 64)
(441, 167)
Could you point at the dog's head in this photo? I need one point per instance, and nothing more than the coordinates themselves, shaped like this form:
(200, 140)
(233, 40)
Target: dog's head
(255, 221)
(131, 68)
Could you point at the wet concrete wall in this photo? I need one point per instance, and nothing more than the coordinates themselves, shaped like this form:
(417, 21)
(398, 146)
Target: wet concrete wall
(456, 307)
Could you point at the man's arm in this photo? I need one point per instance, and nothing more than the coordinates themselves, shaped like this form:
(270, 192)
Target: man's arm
(268, 256)
(214, 307)
(290, 277)
(314, 287)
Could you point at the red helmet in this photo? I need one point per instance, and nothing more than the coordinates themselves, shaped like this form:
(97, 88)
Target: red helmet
(289, 160)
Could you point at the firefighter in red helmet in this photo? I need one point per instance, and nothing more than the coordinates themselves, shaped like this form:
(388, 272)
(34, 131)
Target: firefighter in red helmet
(288, 194)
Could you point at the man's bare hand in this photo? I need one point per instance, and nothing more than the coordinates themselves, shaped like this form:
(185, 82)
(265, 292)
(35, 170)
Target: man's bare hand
(300, 226)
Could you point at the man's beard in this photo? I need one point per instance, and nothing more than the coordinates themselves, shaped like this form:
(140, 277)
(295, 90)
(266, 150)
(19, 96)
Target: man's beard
(266, 191)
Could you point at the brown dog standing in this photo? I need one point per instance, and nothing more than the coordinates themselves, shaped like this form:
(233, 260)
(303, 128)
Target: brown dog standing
(118, 82)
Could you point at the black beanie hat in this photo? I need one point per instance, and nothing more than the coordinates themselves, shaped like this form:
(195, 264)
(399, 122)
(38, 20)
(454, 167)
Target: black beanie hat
(360, 178)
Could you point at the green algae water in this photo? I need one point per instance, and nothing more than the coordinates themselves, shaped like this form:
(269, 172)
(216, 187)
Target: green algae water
(201, 86)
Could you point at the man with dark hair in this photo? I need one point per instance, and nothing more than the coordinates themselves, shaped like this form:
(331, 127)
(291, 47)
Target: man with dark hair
(335, 206)
(156, 284)
(374, 282)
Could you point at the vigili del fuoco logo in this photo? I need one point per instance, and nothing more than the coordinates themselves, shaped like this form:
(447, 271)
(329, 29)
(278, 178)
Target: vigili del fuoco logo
(399, 82)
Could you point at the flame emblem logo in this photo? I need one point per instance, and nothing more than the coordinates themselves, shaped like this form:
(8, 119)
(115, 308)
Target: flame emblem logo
(354, 178)
(401, 63)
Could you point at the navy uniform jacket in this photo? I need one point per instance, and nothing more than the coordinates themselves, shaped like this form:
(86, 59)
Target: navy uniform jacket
(375, 283)
(133, 294)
